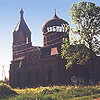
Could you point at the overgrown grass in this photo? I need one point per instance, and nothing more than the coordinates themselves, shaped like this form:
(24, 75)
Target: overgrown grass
(56, 93)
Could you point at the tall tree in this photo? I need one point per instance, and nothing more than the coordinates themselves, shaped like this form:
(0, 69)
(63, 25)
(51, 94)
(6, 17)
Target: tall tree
(75, 54)
(86, 16)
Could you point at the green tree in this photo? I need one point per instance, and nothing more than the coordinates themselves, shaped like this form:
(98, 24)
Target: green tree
(86, 16)
(75, 54)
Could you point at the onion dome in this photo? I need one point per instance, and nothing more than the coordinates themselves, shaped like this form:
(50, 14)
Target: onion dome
(55, 22)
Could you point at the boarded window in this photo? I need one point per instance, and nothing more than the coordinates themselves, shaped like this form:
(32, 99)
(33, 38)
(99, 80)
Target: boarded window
(54, 51)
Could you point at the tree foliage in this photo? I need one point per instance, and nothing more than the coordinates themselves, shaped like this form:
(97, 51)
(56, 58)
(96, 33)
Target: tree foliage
(75, 54)
(86, 16)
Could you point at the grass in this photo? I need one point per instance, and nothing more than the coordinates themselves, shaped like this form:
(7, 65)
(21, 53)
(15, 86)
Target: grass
(56, 93)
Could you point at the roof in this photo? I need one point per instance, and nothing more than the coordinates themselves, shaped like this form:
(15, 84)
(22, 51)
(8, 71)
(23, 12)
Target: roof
(22, 24)
(55, 21)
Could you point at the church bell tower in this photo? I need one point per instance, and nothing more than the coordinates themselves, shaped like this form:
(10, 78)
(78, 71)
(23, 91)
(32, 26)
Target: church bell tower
(21, 50)
(21, 38)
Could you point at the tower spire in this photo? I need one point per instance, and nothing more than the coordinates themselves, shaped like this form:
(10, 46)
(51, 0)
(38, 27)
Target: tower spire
(21, 13)
(55, 14)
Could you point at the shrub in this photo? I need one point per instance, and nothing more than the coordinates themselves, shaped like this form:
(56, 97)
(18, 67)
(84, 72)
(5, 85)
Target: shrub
(6, 90)
(50, 91)
(85, 91)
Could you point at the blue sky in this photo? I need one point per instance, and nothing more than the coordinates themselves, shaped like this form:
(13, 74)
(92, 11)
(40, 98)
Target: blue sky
(36, 13)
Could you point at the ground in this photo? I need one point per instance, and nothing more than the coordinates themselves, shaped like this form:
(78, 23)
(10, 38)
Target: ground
(56, 93)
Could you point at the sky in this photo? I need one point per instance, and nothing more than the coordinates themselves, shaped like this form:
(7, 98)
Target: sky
(36, 13)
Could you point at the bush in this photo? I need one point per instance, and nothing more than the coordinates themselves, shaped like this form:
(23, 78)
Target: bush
(6, 90)
(50, 91)
(85, 91)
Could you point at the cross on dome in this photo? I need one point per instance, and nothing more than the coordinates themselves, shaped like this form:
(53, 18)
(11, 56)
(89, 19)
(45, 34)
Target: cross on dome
(21, 13)
(55, 15)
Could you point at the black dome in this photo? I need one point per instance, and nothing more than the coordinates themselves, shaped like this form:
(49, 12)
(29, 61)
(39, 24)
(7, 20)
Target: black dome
(55, 21)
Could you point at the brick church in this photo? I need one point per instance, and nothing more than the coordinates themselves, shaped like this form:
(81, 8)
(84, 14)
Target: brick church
(34, 65)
